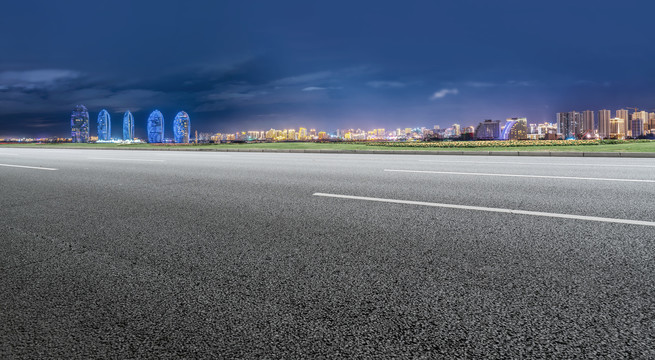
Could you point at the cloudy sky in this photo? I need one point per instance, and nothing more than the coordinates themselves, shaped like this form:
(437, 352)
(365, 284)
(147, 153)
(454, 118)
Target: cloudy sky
(253, 65)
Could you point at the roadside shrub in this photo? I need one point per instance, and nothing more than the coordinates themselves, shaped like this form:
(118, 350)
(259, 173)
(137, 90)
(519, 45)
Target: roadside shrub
(478, 144)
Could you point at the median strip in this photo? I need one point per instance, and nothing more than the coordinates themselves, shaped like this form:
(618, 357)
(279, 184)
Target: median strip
(28, 167)
(489, 209)
(519, 175)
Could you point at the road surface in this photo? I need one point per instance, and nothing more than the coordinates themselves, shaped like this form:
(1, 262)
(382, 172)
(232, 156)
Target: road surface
(123, 254)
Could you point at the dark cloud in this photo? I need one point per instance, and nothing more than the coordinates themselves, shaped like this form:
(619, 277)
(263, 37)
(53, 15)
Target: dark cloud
(262, 64)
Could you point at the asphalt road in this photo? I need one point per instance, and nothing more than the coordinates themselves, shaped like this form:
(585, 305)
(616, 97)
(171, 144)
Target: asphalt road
(130, 254)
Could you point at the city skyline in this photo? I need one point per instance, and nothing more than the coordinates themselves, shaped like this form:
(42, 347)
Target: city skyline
(328, 65)
(568, 125)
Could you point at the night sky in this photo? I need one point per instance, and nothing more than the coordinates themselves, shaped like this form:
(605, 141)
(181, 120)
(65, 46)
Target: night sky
(253, 65)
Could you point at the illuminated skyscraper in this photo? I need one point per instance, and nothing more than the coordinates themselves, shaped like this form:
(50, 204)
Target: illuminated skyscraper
(104, 125)
(80, 124)
(156, 127)
(128, 126)
(181, 127)
(617, 128)
(604, 117)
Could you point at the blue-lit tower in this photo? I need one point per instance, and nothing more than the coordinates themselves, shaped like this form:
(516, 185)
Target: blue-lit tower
(128, 126)
(80, 124)
(181, 127)
(104, 125)
(156, 127)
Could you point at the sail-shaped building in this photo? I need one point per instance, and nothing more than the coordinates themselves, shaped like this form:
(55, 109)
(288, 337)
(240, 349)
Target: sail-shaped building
(128, 126)
(104, 125)
(80, 124)
(156, 127)
(181, 127)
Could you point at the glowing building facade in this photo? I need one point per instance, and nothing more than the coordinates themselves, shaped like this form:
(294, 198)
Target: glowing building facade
(617, 128)
(80, 124)
(181, 127)
(515, 129)
(156, 127)
(104, 125)
(128, 126)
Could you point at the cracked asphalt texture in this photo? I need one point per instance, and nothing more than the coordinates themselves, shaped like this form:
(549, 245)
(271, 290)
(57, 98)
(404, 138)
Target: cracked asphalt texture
(228, 255)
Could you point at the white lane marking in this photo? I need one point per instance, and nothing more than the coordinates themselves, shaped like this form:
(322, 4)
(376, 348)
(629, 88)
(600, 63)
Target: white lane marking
(536, 163)
(488, 209)
(119, 159)
(519, 175)
(28, 167)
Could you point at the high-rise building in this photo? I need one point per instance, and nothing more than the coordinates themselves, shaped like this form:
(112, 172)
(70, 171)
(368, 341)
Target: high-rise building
(515, 129)
(625, 115)
(578, 122)
(128, 126)
(80, 124)
(568, 124)
(457, 131)
(181, 128)
(643, 116)
(562, 120)
(617, 128)
(291, 134)
(488, 130)
(302, 134)
(651, 122)
(588, 122)
(604, 117)
(637, 127)
(156, 127)
(104, 125)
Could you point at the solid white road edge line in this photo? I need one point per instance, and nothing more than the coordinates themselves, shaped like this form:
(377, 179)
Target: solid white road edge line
(28, 167)
(536, 163)
(488, 209)
(518, 175)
